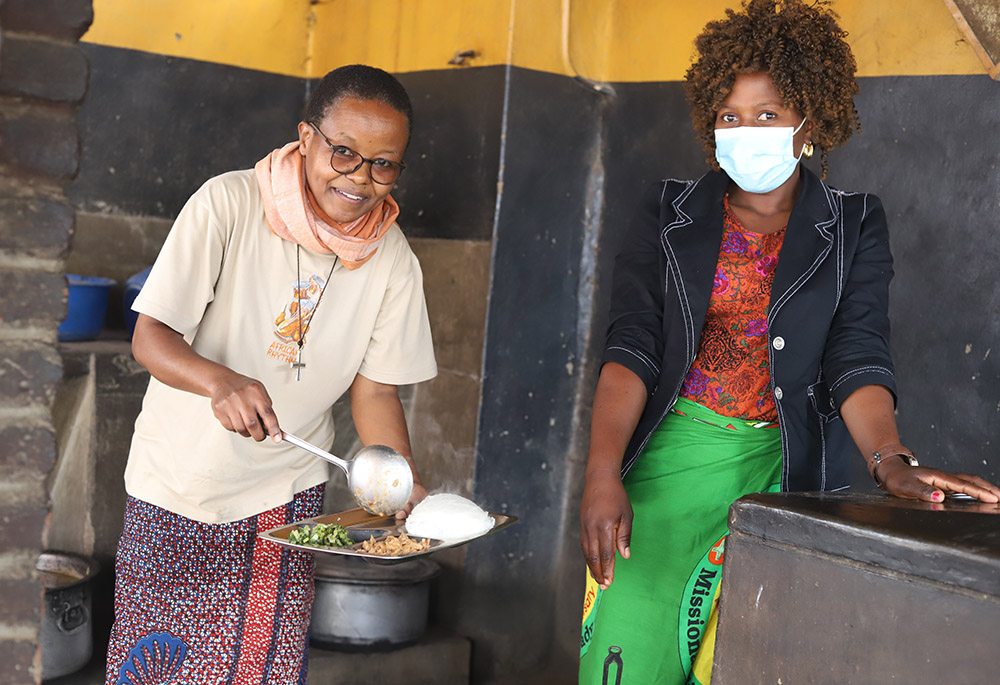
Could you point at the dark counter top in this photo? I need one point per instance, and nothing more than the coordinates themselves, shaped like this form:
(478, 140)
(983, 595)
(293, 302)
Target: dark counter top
(956, 542)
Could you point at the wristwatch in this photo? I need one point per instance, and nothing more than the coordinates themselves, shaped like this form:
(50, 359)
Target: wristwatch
(877, 459)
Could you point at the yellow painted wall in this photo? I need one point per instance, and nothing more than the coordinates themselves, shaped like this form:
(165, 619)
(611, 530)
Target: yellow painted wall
(266, 35)
(603, 40)
(655, 40)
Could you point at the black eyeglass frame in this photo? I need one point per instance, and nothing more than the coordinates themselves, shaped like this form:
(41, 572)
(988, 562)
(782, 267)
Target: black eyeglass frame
(399, 167)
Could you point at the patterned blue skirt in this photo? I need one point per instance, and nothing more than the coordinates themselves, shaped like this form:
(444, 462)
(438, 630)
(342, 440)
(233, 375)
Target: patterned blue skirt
(201, 604)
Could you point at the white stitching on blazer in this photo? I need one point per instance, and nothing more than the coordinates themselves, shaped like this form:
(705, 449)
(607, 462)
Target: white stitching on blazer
(681, 220)
(649, 360)
(640, 356)
(822, 228)
(858, 371)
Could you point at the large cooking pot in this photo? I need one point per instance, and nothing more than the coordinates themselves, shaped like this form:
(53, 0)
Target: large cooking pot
(67, 630)
(366, 606)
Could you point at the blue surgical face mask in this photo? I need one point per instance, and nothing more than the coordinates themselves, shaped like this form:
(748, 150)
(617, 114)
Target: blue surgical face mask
(757, 158)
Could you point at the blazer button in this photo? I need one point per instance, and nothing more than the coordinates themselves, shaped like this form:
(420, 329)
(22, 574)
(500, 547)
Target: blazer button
(777, 393)
(778, 343)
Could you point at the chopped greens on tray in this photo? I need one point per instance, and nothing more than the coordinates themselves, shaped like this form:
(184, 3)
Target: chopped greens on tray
(321, 535)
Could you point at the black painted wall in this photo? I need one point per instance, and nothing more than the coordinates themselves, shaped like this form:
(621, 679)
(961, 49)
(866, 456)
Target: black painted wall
(450, 186)
(533, 366)
(156, 127)
(930, 150)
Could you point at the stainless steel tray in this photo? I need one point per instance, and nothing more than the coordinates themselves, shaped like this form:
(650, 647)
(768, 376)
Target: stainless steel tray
(361, 525)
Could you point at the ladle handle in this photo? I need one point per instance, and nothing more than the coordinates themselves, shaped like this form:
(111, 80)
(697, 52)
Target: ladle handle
(321, 453)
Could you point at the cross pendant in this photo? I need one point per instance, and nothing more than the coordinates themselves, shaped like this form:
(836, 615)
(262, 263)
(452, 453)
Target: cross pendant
(298, 364)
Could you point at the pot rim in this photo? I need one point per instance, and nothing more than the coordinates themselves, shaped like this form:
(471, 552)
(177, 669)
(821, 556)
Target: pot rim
(46, 563)
(359, 572)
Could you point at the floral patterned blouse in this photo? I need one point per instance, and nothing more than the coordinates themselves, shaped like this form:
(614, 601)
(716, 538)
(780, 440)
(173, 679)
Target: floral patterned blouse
(731, 374)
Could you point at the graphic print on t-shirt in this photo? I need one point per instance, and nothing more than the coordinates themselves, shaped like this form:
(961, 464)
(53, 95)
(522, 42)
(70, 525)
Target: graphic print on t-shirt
(292, 323)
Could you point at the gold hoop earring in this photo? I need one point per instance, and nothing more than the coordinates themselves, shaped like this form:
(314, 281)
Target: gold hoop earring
(807, 149)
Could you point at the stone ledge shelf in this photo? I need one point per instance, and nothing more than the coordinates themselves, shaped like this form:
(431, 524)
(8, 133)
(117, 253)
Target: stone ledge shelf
(845, 588)
(94, 413)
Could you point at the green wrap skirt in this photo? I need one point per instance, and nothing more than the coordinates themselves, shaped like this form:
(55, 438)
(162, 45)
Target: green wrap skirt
(656, 622)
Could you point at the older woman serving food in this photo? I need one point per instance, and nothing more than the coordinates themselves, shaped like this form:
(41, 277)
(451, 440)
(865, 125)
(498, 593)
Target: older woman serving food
(279, 289)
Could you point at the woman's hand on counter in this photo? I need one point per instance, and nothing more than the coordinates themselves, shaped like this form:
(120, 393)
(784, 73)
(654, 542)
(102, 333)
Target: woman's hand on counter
(869, 413)
(605, 523)
(931, 485)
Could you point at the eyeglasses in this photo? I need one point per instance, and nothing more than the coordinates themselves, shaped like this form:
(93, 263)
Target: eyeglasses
(344, 160)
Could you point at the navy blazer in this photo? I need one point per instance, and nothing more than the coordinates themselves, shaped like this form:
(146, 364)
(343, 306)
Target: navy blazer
(828, 324)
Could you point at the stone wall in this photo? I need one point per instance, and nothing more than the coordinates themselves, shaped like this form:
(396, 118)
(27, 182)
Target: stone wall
(43, 77)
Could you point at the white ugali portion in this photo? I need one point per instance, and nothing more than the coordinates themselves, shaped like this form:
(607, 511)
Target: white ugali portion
(447, 517)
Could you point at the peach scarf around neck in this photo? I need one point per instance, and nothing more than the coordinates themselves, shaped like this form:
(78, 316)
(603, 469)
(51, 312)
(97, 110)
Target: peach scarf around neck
(293, 214)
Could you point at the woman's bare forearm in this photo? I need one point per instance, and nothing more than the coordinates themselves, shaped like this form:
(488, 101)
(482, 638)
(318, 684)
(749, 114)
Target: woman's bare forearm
(618, 404)
(379, 419)
(171, 360)
(870, 417)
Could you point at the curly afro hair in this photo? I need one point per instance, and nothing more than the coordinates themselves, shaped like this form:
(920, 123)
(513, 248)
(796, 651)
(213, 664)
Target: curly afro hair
(799, 45)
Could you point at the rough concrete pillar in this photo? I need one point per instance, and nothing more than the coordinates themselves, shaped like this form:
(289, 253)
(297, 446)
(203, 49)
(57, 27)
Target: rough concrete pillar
(43, 76)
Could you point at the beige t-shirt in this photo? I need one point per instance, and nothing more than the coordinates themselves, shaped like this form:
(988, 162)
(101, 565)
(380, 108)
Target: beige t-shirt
(227, 283)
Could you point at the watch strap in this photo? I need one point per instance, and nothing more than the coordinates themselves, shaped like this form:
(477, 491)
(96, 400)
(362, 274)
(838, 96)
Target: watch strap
(879, 456)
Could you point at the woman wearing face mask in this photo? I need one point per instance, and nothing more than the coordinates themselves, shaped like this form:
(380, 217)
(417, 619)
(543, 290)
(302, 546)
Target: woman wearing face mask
(749, 345)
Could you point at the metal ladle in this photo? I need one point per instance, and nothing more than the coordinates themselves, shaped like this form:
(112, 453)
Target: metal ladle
(379, 477)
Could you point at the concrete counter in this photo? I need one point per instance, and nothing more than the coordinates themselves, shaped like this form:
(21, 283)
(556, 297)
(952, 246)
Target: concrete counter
(839, 588)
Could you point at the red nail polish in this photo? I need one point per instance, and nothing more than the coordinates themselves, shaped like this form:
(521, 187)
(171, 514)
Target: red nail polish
(937, 496)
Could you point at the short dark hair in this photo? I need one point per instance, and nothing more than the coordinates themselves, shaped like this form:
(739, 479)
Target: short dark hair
(362, 82)
(799, 45)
